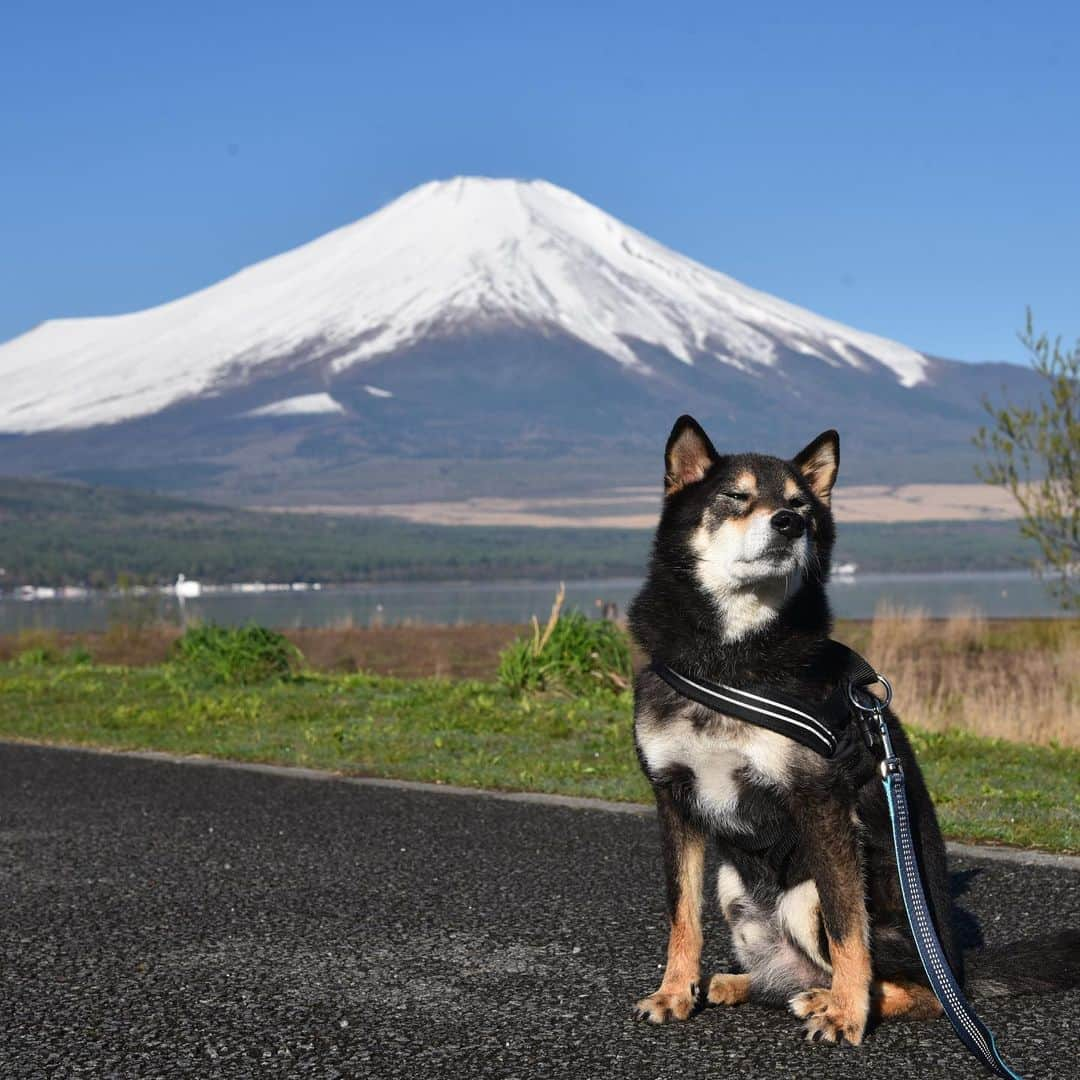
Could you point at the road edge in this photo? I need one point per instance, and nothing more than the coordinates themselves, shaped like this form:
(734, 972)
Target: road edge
(1016, 856)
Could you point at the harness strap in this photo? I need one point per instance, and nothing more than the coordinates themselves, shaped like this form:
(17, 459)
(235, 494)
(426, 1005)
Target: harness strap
(831, 732)
(827, 730)
(761, 706)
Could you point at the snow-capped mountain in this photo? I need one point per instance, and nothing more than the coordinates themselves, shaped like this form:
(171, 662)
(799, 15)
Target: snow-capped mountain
(462, 253)
(469, 316)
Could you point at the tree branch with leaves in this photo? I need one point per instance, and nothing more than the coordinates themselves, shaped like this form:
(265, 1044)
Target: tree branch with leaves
(1034, 452)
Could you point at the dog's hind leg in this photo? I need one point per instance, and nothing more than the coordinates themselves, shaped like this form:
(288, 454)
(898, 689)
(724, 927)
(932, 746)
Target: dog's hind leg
(684, 862)
(728, 989)
(774, 967)
(902, 999)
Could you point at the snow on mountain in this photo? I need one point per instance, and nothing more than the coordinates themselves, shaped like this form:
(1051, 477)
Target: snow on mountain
(301, 405)
(450, 255)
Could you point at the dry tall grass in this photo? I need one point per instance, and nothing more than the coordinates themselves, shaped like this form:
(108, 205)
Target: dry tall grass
(1007, 680)
(418, 651)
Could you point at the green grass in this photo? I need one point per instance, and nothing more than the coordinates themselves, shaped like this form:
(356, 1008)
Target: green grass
(477, 734)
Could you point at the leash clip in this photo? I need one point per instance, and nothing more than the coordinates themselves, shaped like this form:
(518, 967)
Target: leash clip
(878, 705)
(873, 714)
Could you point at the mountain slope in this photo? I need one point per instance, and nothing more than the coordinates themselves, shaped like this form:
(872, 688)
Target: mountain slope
(470, 318)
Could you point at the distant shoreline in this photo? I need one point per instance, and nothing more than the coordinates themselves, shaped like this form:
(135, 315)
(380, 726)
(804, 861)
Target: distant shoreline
(74, 594)
(988, 595)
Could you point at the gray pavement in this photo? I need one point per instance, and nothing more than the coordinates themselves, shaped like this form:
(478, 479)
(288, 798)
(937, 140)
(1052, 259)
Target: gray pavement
(161, 919)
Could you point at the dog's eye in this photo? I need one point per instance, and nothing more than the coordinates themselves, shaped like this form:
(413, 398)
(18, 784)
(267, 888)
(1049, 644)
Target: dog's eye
(797, 503)
(738, 496)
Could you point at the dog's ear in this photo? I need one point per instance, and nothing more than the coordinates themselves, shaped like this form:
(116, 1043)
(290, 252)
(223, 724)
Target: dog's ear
(688, 455)
(819, 462)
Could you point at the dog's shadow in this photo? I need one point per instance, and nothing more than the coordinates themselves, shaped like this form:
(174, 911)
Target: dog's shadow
(968, 931)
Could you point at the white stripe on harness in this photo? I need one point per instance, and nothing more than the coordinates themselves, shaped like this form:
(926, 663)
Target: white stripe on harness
(779, 705)
(827, 741)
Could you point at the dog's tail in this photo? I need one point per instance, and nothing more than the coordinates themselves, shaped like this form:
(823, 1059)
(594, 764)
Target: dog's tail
(1034, 966)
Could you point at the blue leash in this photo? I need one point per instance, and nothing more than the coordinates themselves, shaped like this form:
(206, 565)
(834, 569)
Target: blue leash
(971, 1031)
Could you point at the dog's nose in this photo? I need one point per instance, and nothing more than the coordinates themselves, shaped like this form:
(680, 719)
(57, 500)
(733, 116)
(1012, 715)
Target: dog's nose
(788, 523)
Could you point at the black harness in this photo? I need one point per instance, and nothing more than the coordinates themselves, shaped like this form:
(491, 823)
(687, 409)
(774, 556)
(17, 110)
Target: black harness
(833, 730)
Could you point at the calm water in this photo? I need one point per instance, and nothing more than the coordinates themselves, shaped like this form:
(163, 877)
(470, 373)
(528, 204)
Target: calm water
(994, 594)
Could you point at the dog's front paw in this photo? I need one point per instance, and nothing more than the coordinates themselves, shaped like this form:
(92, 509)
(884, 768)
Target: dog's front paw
(830, 1018)
(665, 1005)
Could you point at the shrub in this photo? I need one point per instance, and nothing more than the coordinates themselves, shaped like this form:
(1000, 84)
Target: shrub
(36, 655)
(78, 655)
(247, 654)
(49, 654)
(573, 653)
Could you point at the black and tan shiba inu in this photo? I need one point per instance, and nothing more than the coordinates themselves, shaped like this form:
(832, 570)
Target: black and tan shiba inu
(807, 880)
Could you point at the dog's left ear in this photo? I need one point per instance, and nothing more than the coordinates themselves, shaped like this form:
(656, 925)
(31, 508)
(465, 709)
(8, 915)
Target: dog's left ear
(819, 462)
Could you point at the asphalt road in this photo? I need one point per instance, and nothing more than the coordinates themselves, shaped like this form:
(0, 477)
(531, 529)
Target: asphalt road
(165, 920)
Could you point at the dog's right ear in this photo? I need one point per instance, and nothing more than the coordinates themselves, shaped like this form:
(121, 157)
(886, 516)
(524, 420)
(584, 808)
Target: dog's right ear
(688, 455)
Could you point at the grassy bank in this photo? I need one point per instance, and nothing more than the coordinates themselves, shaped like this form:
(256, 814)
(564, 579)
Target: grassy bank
(474, 733)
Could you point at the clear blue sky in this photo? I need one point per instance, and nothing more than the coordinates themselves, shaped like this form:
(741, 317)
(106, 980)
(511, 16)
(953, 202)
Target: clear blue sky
(912, 171)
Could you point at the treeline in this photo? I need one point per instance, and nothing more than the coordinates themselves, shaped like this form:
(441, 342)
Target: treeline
(927, 546)
(61, 534)
(64, 534)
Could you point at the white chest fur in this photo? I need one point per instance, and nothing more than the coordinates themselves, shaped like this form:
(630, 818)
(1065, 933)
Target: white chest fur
(721, 763)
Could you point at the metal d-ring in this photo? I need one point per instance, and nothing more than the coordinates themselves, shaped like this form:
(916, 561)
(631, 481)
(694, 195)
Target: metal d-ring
(880, 704)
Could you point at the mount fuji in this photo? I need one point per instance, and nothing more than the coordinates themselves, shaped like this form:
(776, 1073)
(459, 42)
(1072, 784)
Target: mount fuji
(471, 320)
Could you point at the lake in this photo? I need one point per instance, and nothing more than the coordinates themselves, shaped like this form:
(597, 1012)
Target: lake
(994, 594)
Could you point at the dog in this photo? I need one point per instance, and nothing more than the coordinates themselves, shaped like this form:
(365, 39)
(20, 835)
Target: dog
(807, 881)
